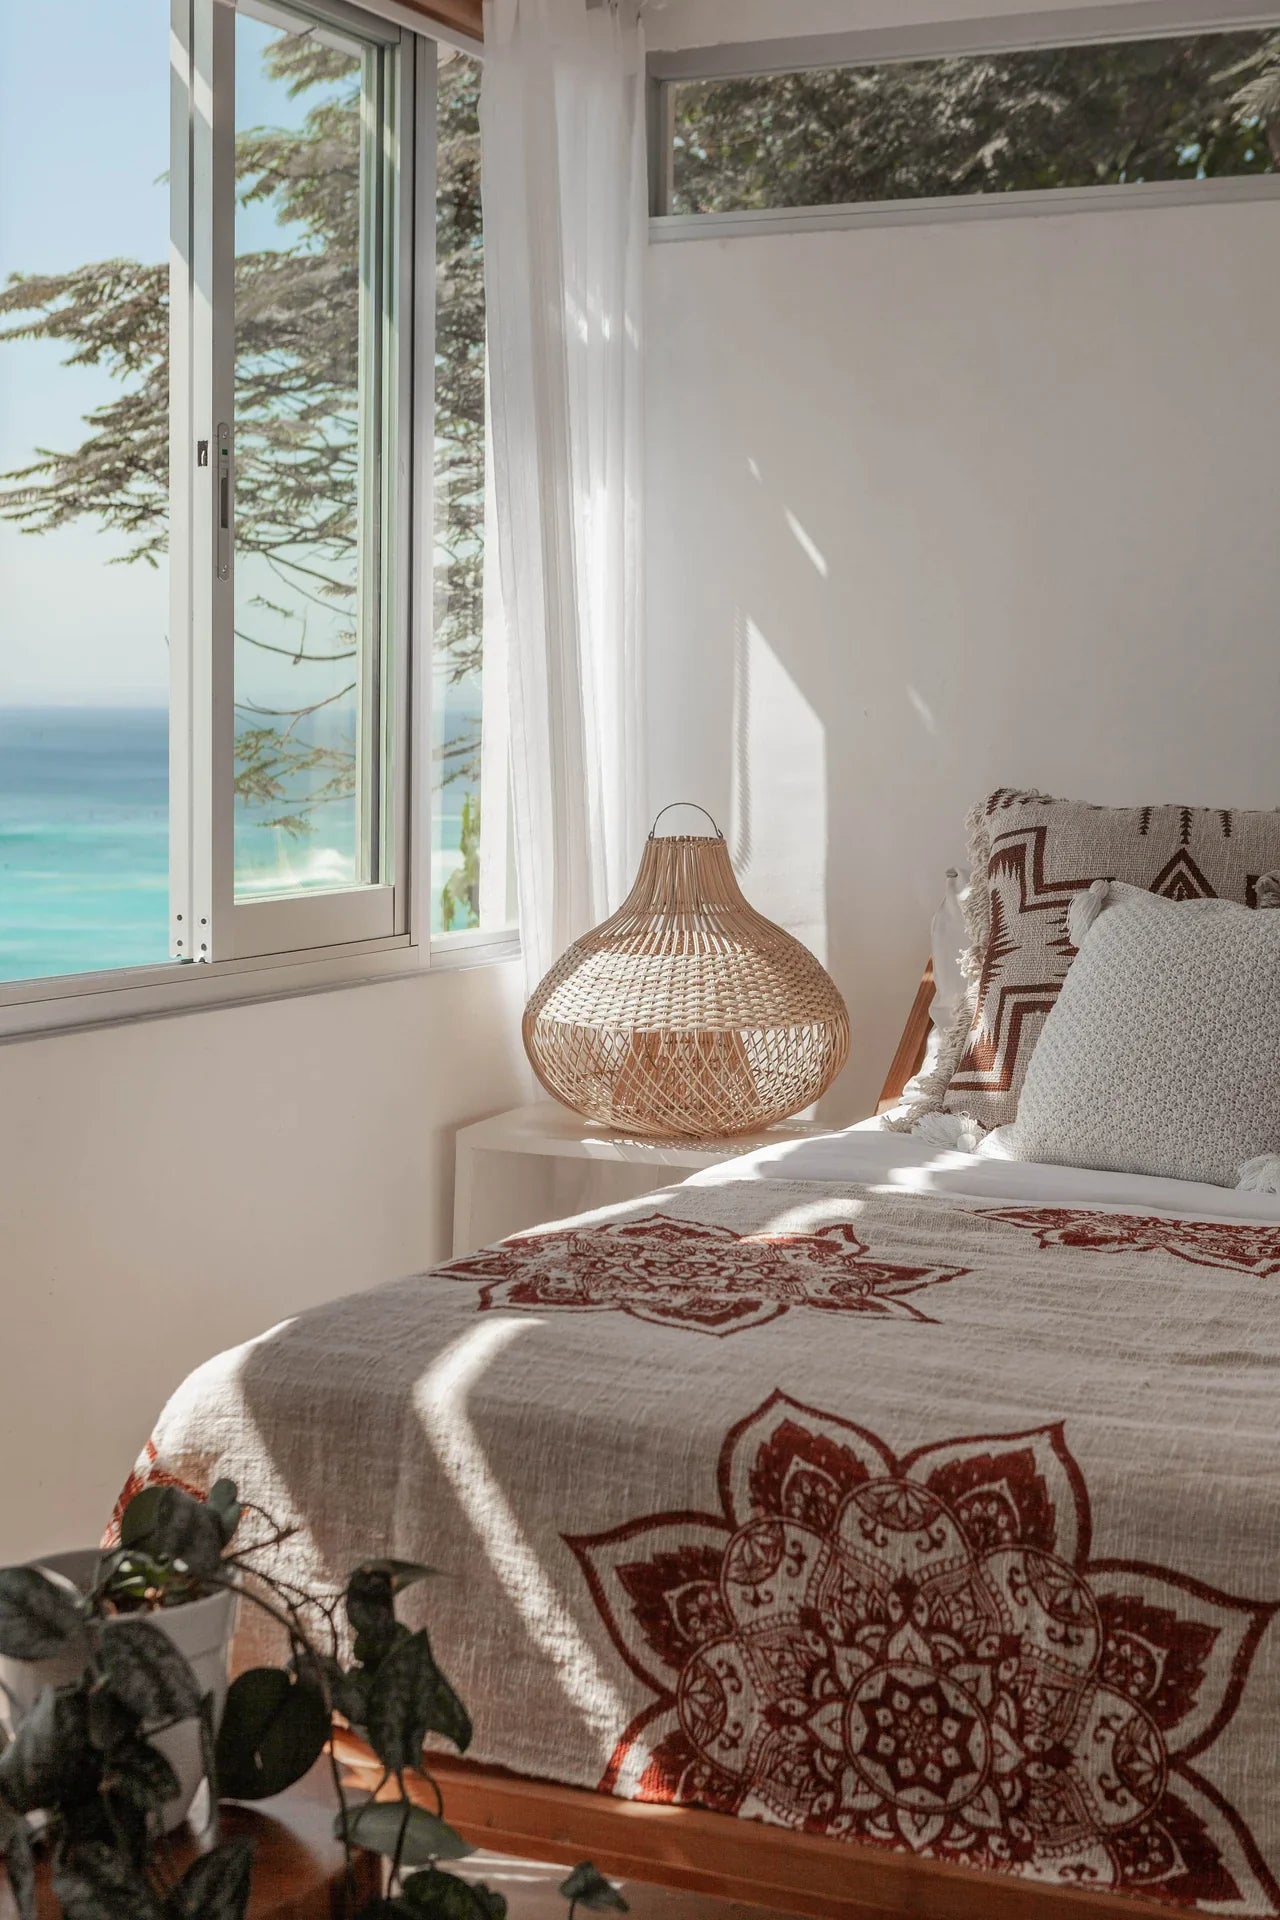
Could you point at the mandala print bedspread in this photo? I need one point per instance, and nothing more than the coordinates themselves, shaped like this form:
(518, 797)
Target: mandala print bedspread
(935, 1526)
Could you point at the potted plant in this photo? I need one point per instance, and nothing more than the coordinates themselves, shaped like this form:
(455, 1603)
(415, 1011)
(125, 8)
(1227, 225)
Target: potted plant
(115, 1724)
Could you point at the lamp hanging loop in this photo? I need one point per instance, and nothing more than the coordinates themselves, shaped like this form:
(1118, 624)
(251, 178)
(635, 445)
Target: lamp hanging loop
(684, 803)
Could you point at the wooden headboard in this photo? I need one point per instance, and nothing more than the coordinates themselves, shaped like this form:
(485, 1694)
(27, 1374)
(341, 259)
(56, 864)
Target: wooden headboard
(909, 1058)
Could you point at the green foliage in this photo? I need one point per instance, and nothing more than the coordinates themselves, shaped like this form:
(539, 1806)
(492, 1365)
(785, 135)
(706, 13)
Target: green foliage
(586, 1887)
(460, 894)
(991, 123)
(84, 1755)
(402, 1831)
(216, 1887)
(37, 1616)
(146, 1673)
(409, 1698)
(442, 1896)
(274, 1728)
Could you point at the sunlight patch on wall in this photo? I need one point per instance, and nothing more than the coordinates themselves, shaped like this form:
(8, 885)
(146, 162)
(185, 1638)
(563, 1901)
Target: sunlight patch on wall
(778, 809)
(807, 544)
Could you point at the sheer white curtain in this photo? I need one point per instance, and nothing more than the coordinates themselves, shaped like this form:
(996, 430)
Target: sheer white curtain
(565, 217)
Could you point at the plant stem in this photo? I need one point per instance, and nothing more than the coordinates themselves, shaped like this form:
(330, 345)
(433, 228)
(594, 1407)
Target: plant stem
(393, 1884)
(348, 1855)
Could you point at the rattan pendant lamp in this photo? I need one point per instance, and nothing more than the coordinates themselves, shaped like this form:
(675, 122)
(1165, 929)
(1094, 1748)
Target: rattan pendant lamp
(687, 1014)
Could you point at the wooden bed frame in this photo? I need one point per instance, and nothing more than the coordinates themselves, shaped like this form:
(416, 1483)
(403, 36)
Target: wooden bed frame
(708, 1853)
(909, 1058)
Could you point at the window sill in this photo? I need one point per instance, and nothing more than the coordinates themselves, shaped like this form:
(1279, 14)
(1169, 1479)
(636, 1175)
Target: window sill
(31, 1009)
(958, 209)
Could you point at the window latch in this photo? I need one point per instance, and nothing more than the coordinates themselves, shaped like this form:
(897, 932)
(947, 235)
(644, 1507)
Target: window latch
(224, 500)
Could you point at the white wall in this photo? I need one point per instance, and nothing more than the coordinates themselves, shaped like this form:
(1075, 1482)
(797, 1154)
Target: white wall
(936, 508)
(172, 1187)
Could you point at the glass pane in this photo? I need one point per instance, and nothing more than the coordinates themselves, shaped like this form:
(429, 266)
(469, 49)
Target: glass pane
(469, 744)
(84, 396)
(306, 448)
(1191, 108)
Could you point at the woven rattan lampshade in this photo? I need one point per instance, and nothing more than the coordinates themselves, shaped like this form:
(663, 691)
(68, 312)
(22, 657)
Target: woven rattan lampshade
(687, 1014)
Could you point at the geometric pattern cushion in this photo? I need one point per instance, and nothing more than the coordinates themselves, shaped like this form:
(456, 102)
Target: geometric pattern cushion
(1030, 856)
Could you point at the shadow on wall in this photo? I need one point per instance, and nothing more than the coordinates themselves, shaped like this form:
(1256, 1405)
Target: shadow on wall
(940, 508)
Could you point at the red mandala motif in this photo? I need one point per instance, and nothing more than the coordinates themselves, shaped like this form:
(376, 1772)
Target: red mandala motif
(682, 1273)
(1204, 1243)
(919, 1653)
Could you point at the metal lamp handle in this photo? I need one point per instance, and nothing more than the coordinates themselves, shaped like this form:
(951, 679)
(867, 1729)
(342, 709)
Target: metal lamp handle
(684, 803)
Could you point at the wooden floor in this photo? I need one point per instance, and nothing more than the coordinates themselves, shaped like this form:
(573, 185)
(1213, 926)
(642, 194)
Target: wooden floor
(531, 1894)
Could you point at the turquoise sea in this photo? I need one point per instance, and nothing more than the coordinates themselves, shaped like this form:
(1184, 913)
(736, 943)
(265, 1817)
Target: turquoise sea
(84, 837)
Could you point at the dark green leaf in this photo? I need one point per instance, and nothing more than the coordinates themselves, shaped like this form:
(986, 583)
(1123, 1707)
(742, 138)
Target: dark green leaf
(110, 1721)
(380, 1909)
(408, 1699)
(273, 1731)
(371, 1611)
(401, 1573)
(589, 1888)
(224, 1501)
(442, 1896)
(144, 1669)
(371, 1649)
(171, 1525)
(376, 1825)
(348, 1690)
(49, 1761)
(140, 1772)
(94, 1881)
(216, 1886)
(37, 1615)
(22, 1870)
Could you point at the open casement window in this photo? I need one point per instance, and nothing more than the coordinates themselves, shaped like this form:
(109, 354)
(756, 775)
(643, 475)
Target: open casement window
(290, 491)
(252, 698)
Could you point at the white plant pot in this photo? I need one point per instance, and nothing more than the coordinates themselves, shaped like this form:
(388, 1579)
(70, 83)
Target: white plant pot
(201, 1631)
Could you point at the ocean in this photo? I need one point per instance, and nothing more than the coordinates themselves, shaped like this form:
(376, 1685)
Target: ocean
(84, 838)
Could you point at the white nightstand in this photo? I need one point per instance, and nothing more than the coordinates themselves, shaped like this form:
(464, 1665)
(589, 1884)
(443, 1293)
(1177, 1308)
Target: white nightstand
(545, 1134)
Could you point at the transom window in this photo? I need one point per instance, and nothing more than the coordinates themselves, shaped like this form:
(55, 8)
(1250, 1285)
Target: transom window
(1190, 107)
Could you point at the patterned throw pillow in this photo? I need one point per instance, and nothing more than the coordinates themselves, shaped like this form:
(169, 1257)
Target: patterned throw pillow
(1030, 856)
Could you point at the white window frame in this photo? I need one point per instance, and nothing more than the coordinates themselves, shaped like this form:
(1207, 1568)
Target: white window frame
(323, 942)
(875, 46)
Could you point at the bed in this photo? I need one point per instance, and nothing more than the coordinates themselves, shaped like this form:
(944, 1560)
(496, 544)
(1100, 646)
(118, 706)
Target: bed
(859, 1528)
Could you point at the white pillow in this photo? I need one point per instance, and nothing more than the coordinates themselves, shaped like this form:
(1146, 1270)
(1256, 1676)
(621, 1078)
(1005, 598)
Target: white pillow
(1162, 1052)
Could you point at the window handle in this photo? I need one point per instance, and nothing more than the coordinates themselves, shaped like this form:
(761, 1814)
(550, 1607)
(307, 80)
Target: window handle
(224, 500)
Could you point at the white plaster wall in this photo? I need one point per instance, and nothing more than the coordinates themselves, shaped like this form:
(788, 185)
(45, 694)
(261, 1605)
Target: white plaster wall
(932, 509)
(172, 1187)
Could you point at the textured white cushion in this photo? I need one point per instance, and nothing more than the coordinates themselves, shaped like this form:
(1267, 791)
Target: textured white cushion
(1162, 1052)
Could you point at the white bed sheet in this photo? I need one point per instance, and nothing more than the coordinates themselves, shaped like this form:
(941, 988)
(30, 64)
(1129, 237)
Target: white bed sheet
(870, 1155)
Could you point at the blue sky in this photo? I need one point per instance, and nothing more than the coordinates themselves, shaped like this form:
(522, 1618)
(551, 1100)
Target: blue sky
(88, 185)
(85, 187)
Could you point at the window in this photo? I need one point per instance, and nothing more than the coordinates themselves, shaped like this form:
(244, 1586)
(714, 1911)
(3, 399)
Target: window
(212, 294)
(1195, 107)
(469, 893)
(290, 353)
